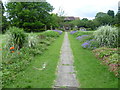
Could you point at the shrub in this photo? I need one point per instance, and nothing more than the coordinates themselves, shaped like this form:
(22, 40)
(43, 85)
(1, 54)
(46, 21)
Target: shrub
(50, 33)
(109, 56)
(15, 37)
(104, 52)
(107, 36)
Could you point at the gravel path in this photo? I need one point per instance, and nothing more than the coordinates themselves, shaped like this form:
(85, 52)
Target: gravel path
(66, 76)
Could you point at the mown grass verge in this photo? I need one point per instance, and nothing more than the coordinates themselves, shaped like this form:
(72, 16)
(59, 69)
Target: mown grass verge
(33, 76)
(90, 73)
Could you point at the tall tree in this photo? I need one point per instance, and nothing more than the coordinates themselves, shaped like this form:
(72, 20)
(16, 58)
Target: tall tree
(31, 16)
(111, 13)
(100, 14)
(3, 19)
(103, 18)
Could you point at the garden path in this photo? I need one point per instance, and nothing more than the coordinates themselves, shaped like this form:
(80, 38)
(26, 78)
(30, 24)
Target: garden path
(66, 76)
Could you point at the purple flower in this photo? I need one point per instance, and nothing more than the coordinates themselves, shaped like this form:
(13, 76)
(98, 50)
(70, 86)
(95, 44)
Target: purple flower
(72, 32)
(59, 31)
(81, 37)
(86, 44)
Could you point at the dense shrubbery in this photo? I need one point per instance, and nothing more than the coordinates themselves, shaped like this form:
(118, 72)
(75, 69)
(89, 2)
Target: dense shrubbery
(21, 49)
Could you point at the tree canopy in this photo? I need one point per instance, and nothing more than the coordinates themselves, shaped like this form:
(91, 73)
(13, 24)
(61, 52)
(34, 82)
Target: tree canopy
(32, 16)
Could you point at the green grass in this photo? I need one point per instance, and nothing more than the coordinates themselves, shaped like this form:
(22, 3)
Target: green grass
(90, 73)
(34, 78)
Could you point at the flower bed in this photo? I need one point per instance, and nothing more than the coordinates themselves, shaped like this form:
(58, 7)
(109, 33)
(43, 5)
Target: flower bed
(17, 56)
(108, 56)
(106, 36)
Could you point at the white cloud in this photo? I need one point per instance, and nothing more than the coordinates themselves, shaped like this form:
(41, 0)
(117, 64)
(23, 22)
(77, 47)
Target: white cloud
(84, 8)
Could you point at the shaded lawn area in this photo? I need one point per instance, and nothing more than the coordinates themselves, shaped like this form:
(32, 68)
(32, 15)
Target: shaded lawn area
(32, 77)
(90, 73)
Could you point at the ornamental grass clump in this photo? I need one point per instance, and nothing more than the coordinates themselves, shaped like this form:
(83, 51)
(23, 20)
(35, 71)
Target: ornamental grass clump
(107, 36)
(15, 37)
(32, 40)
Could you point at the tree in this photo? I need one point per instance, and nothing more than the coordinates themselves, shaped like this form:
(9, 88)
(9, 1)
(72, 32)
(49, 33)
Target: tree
(111, 13)
(32, 16)
(103, 18)
(100, 14)
(117, 20)
(55, 21)
(4, 23)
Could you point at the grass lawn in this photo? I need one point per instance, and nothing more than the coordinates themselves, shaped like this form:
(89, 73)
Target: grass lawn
(90, 73)
(32, 77)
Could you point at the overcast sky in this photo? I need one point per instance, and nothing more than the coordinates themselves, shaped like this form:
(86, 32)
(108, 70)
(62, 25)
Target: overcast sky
(83, 8)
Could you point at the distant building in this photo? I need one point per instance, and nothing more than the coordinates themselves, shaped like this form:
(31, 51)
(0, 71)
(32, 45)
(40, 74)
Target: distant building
(70, 18)
(67, 26)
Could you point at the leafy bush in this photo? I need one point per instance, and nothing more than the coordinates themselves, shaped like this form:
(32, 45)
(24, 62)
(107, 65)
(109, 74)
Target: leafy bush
(107, 36)
(109, 56)
(15, 37)
(104, 52)
(50, 33)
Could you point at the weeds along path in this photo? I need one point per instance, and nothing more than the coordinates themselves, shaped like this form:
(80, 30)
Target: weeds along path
(41, 73)
(90, 72)
(65, 74)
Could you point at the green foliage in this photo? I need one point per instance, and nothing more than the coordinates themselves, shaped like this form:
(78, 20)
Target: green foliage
(100, 14)
(3, 20)
(51, 33)
(107, 36)
(27, 46)
(55, 21)
(80, 33)
(111, 13)
(16, 37)
(114, 58)
(36, 75)
(104, 52)
(31, 16)
(109, 57)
